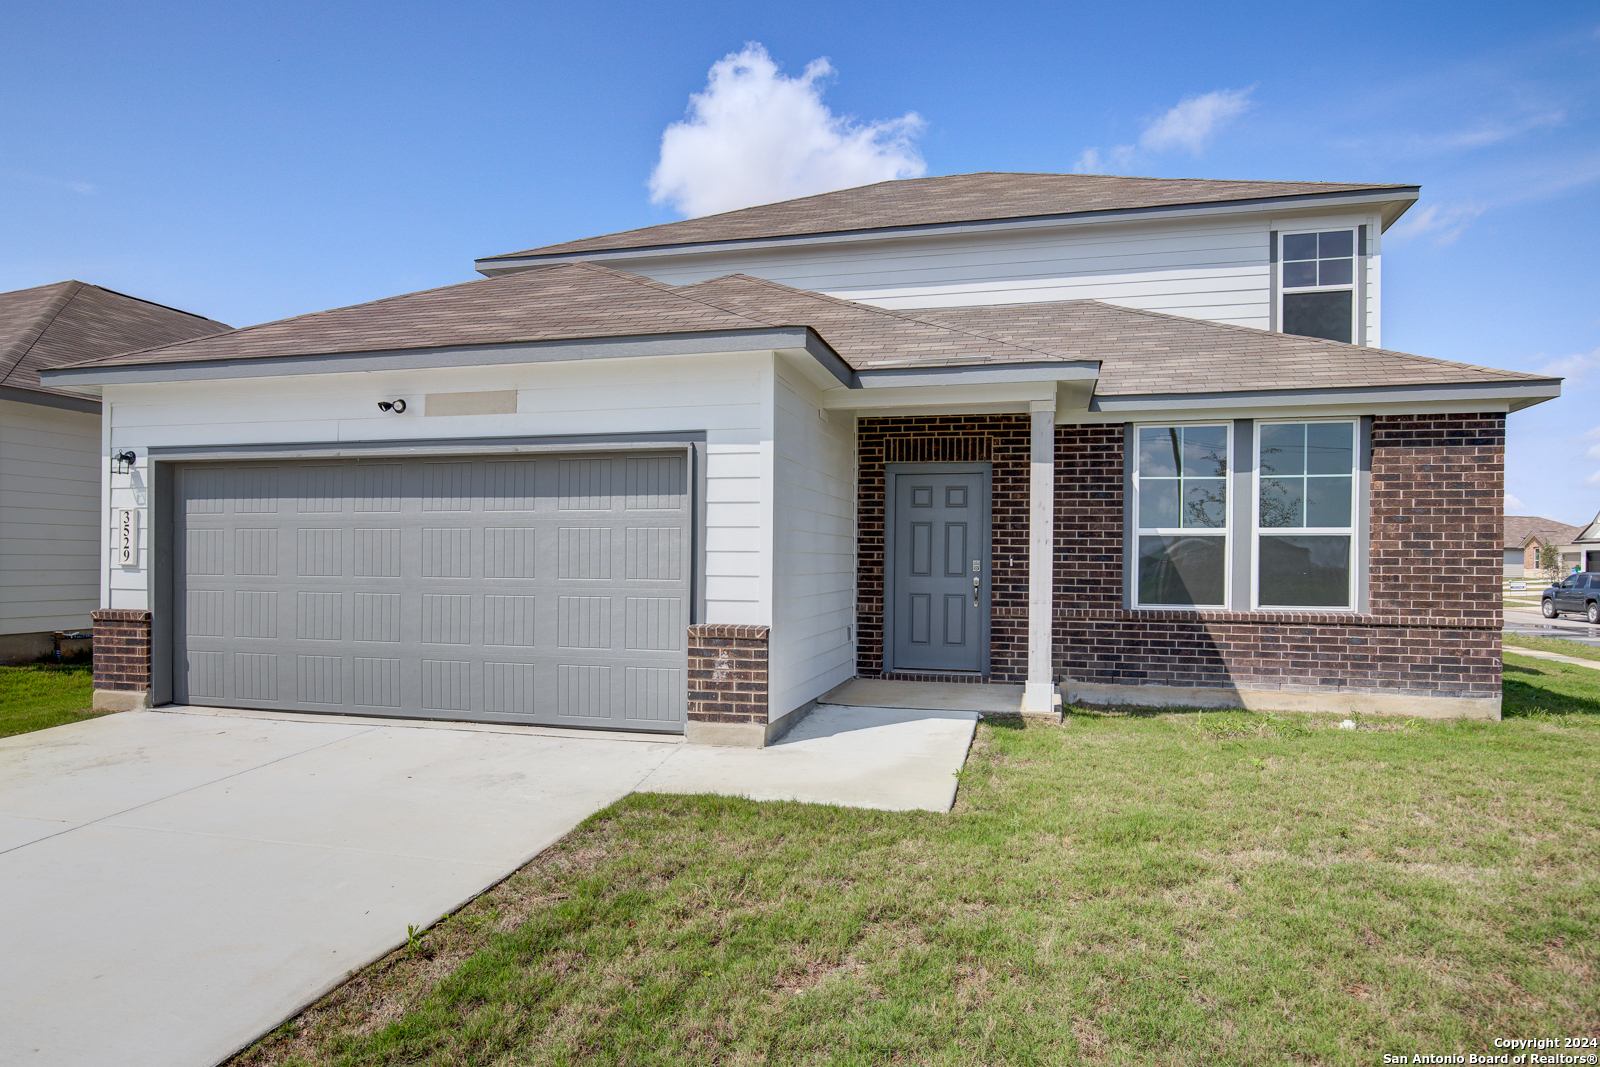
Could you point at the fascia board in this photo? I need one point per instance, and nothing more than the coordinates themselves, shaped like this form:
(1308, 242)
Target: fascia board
(50, 400)
(981, 374)
(1487, 396)
(1404, 196)
(976, 398)
(718, 342)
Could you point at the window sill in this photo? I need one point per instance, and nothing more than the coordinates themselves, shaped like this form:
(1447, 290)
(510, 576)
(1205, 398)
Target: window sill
(1478, 620)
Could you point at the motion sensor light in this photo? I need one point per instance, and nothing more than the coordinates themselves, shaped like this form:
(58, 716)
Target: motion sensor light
(396, 406)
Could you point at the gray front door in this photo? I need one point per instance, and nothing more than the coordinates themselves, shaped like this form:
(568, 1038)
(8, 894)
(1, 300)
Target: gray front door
(519, 589)
(939, 568)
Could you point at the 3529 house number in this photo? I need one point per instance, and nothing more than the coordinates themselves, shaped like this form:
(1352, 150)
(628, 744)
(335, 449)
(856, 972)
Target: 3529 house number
(127, 537)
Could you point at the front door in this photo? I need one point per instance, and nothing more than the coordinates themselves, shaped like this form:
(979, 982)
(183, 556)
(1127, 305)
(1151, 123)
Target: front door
(939, 568)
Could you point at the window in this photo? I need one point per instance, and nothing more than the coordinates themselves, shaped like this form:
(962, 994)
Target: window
(1181, 516)
(1305, 514)
(1319, 284)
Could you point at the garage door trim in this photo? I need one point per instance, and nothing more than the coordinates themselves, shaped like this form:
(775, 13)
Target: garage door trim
(164, 462)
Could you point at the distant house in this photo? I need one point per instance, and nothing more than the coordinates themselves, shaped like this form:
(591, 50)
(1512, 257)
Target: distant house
(1133, 438)
(51, 454)
(1526, 534)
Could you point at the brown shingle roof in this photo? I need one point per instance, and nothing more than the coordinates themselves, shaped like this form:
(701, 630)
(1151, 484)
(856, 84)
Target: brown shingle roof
(68, 322)
(1145, 352)
(1521, 527)
(943, 200)
(1139, 351)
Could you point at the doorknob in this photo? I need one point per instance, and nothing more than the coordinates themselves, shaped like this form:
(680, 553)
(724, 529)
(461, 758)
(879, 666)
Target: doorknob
(974, 590)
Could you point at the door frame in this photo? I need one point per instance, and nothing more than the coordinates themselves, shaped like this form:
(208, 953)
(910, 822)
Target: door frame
(891, 472)
(161, 498)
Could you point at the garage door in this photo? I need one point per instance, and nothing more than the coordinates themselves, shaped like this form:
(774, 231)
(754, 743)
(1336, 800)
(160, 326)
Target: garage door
(499, 589)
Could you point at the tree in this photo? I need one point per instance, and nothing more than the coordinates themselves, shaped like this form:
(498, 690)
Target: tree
(1550, 562)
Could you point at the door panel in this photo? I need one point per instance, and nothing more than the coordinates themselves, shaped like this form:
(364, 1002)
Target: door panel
(536, 590)
(940, 544)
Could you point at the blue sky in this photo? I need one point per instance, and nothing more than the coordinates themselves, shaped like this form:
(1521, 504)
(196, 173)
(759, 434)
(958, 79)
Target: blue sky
(250, 162)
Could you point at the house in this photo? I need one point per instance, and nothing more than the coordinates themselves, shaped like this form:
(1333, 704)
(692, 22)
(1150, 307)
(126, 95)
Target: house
(51, 452)
(1130, 439)
(1525, 535)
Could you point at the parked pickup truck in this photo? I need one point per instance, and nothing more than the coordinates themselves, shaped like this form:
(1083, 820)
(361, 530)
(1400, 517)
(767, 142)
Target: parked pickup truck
(1576, 594)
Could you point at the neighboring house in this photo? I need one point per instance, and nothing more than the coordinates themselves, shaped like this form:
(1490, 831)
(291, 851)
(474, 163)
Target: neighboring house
(680, 497)
(50, 452)
(1525, 535)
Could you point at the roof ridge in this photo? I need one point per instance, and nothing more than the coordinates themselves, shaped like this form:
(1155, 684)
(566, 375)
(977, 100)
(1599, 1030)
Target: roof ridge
(47, 316)
(675, 290)
(1258, 332)
(892, 313)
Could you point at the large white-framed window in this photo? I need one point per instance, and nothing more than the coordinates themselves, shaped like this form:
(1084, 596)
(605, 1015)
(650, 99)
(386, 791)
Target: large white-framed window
(1317, 283)
(1304, 544)
(1181, 515)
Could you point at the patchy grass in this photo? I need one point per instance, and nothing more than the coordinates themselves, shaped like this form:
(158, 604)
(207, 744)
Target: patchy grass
(1173, 888)
(42, 695)
(1551, 644)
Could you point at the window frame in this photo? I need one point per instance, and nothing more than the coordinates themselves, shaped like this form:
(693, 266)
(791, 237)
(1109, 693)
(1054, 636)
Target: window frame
(1226, 531)
(1353, 531)
(1354, 287)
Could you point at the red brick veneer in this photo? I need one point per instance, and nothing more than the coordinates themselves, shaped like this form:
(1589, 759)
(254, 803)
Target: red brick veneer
(1435, 569)
(728, 673)
(121, 649)
(1008, 453)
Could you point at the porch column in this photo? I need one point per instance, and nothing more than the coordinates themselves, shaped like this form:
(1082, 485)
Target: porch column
(1039, 694)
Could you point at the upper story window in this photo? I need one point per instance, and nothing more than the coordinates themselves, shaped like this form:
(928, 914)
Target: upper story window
(1319, 284)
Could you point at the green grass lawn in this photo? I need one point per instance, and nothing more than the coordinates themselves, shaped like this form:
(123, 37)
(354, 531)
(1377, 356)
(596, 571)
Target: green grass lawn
(39, 695)
(1172, 888)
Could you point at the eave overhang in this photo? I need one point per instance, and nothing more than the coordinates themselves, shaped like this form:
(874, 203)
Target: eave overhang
(1395, 202)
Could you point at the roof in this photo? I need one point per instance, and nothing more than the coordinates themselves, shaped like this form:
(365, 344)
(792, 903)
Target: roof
(954, 198)
(1140, 352)
(1519, 528)
(68, 322)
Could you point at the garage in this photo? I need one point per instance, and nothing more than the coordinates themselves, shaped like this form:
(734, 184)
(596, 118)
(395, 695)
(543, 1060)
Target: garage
(514, 588)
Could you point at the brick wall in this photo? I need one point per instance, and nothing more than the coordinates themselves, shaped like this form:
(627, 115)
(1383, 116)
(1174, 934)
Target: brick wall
(728, 673)
(1434, 619)
(121, 649)
(1005, 445)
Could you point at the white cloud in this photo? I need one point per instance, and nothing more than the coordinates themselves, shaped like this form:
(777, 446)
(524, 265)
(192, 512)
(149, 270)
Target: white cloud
(81, 188)
(1093, 161)
(755, 136)
(1194, 121)
(1575, 368)
(1513, 505)
(1442, 222)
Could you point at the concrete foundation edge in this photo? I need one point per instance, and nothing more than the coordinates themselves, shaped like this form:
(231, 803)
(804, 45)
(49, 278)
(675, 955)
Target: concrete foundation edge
(1407, 705)
(121, 699)
(744, 734)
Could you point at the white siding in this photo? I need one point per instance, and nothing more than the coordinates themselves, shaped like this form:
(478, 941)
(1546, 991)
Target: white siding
(1214, 269)
(49, 529)
(724, 395)
(813, 601)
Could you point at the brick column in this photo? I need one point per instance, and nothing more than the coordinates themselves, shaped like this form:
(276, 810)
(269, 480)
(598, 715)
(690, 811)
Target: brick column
(121, 659)
(727, 692)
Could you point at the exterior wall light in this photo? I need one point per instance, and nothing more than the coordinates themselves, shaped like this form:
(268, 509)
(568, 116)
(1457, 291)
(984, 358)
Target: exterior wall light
(122, 462)
(396, 406)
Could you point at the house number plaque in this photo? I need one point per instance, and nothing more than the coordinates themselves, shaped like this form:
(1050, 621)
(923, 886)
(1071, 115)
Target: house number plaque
(128, 537)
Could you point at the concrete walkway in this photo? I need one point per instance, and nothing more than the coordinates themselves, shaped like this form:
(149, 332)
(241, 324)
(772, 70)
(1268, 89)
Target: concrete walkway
(1534, 653)
(174, 883)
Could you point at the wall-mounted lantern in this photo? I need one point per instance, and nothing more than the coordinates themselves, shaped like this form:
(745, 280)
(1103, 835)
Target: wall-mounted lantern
(122, 462)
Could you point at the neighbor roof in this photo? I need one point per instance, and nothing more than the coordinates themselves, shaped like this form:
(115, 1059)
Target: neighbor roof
(1521, 527)
(944, 200)
(67, 322)
(1140, 352)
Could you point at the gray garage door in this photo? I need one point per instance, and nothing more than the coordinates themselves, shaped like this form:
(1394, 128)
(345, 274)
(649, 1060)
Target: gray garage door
(499, 589)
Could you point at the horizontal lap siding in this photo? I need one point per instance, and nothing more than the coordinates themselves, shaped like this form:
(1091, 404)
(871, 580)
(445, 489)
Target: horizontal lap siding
(813, 546)
(49, 518)
(721, 395)
(1215, 270)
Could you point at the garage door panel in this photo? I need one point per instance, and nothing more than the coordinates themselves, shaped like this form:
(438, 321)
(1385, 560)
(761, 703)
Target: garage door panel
(549, 589)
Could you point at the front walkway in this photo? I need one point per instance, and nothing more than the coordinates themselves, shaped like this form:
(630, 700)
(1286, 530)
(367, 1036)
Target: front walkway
(176, 882)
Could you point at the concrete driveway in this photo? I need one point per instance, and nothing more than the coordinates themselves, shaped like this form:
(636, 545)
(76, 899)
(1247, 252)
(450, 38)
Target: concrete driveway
(174, 883)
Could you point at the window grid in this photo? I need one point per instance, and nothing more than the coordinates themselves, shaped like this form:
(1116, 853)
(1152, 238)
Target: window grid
(1201, 510)
(1261, 503)
(1323, 261)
